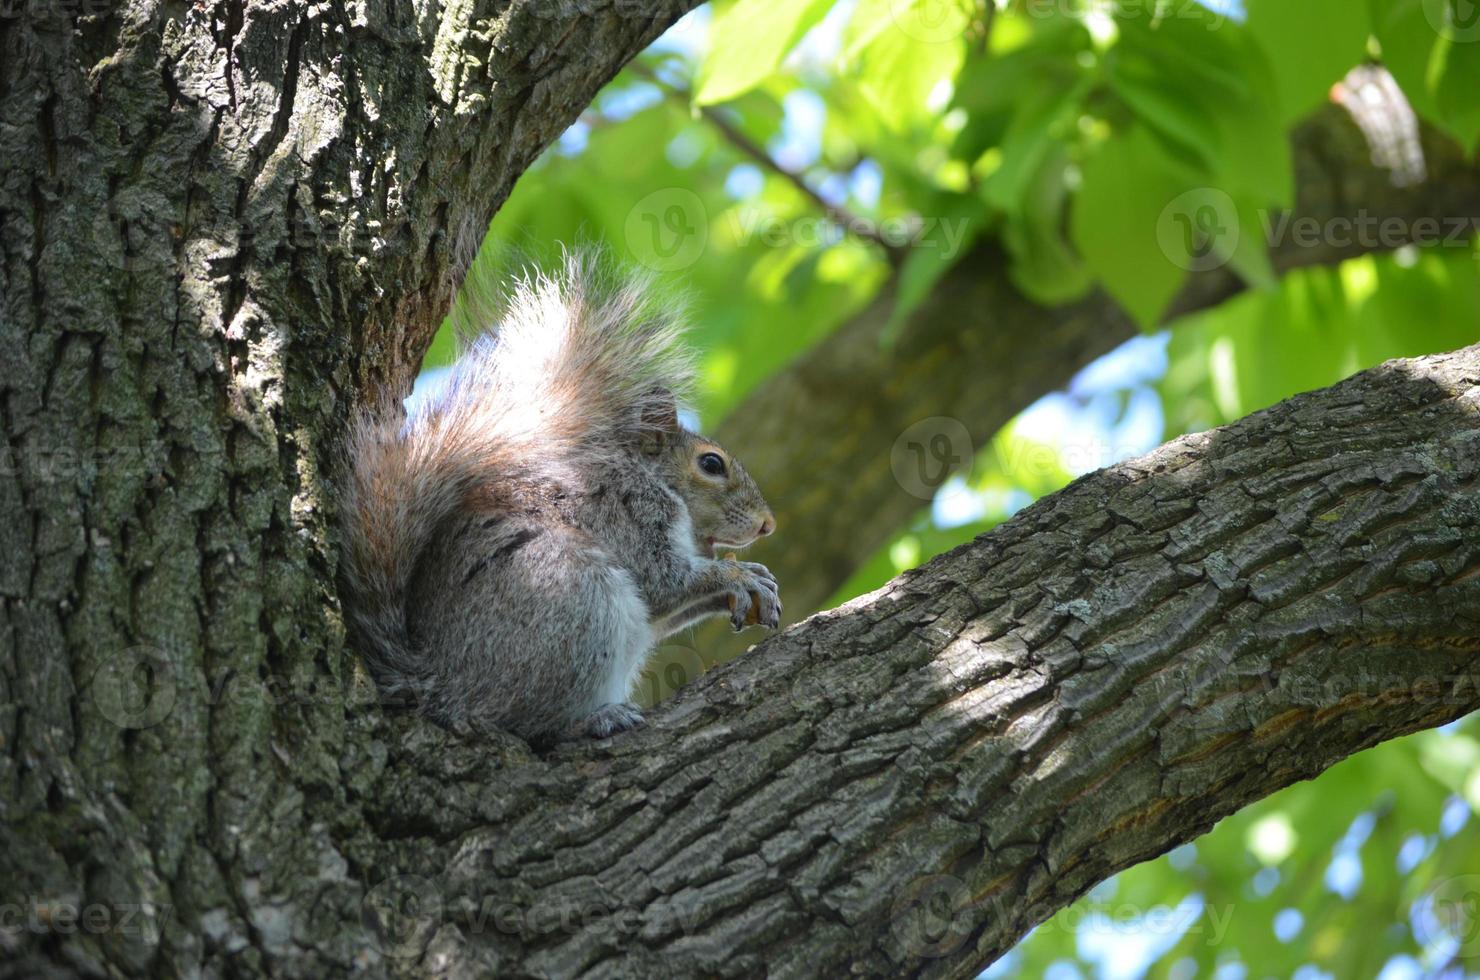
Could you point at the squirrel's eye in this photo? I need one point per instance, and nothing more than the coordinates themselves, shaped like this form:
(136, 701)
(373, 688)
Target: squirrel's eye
(712, 464)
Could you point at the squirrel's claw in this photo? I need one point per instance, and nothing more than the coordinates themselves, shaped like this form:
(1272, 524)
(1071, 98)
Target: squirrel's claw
(770, 611)
(758, 603)
(740, 603)
(609, 719)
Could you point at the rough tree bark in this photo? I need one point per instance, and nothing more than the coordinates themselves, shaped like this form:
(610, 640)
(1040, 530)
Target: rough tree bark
(220, 221)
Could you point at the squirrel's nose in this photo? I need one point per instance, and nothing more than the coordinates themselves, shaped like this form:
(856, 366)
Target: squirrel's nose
(768, 524)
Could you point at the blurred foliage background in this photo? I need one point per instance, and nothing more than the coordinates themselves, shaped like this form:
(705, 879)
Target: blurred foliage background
(786, 162)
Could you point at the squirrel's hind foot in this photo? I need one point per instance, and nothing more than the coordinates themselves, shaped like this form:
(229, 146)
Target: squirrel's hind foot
(609, 719)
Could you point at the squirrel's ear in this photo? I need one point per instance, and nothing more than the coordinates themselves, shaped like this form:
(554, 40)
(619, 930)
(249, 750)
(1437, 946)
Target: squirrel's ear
(661, 411)
(659, 418)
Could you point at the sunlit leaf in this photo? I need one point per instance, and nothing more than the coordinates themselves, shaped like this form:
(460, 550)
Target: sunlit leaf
(1127, 190)
(753, 36)
(1305, 71)
(918, 47)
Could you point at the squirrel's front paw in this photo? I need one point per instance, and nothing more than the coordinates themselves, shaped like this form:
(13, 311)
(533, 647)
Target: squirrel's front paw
(756, 599)
(609, 719)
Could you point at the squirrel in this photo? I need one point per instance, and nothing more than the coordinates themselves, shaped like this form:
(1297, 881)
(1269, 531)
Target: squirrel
(516, 547)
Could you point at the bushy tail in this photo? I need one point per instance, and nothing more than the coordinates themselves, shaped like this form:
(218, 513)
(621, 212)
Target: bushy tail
(561, 374)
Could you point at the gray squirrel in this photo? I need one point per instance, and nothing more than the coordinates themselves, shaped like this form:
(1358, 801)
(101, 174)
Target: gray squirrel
(516, 547)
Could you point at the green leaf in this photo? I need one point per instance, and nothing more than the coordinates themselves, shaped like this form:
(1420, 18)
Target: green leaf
(990, 90)
(1051, 56)
(750, 37)
(1119, 221)
(1250, 254)
(1170, 109)
(1044, 266)
(905, 49)
(1043, 119)
(1422, 307)
(1193, 44)
(1320, 326)
(1457, 91)
(929, 21)
(1311, 44)
(1207, 89)
(1450, 760)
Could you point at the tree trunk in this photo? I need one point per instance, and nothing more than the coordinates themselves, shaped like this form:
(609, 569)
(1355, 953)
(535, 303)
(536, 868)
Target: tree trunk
(220, 224)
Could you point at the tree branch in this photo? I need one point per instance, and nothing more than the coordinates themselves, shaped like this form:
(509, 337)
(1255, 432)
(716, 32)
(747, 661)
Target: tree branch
(908, 784)
(748, 147)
